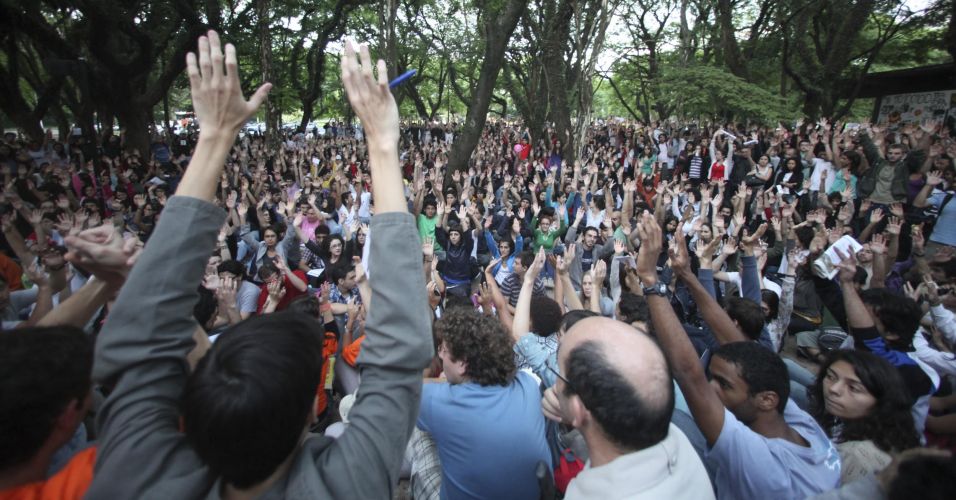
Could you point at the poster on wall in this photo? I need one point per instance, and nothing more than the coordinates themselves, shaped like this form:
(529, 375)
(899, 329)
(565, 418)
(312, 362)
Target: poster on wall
(899, 109)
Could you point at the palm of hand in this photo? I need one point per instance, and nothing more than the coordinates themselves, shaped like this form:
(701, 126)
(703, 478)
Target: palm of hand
(216, 92)
(372, 100)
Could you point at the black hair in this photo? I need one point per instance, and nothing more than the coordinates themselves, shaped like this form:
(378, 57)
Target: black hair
(628, 418)
(527, 258)
(805, 235)
(634, 308)
(42, 370)
(748, 314)
(572, 317)
(889, 424)
(233, 267)
(545, 315)
(327, 247)
(206, 306)
(773, 304)
(900, 315)
(598, 202)
(249, 398)
(511, 245)
(855, 160)
(322, 229)
(340, 272)
(307, 304)
(924, 477)
(760, 368)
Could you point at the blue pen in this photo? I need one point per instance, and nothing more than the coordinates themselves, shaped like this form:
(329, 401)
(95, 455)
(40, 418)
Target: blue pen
(401, 78)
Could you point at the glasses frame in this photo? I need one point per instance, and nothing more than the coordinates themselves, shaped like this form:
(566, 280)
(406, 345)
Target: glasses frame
(554, 369)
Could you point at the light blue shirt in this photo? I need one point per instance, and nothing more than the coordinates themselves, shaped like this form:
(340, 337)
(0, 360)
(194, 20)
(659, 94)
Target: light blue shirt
(752, 466)
(490, 438)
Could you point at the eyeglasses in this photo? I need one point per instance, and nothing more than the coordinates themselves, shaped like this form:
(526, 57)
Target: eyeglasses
(552, 366)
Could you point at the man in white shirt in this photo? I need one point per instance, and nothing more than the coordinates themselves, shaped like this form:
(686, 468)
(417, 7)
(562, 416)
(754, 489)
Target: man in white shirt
(614, 385)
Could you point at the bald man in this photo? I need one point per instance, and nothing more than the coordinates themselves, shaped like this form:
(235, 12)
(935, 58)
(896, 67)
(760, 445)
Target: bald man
(614, 385)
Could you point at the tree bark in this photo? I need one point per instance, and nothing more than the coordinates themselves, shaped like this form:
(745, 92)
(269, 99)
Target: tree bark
(728, 40)
(265, 60)
(497, 28)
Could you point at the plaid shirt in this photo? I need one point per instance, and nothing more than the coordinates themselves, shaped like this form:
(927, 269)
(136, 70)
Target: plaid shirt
(336, 297)
(311, 259)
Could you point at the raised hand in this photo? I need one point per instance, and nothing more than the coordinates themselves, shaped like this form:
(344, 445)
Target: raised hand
(651, 243)
(934, 178)
(428, 247)
(370, 97)
(216, 92)
(896, 209)
(894, 226)
(878, 244)
(537, 265)
(276, 291)
(847, 266)
(226, 292)
(104, 252)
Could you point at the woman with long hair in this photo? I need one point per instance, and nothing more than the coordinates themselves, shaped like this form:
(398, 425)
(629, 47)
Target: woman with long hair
(861, 402)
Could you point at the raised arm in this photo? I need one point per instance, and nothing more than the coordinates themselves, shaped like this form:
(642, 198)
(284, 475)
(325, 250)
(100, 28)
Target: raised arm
(398, 342)
(724, 329)
(142, 350)
(704, 404)
(522, 318)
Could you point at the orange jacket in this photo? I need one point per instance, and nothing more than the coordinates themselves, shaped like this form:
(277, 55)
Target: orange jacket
(68, 484)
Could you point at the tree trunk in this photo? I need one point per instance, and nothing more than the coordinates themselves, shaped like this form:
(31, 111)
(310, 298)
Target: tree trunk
(555, 68)
(686, 46)
(134, 119)
(728, 40)
(265, 61)
(498, 29)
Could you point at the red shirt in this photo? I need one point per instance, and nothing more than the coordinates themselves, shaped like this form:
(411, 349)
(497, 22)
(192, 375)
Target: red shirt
(717, 171)
(291, 292)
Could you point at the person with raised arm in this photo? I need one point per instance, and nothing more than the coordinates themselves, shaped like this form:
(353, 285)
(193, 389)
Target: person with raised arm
(763, 445)
(237, 426)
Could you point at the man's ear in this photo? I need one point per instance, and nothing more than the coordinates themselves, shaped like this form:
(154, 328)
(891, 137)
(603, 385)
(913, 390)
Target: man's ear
(767, 400)
(577, 413)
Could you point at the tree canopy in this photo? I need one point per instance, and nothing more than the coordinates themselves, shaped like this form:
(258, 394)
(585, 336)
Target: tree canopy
(69, 64)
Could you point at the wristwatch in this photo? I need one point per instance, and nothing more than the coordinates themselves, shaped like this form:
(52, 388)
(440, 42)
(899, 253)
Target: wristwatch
(658, 289)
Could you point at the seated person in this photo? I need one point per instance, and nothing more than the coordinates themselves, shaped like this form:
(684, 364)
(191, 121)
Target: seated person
(45, 383)
(237, 426)
(763, 445)
(860, 400)
(485, 421)
(617, 390)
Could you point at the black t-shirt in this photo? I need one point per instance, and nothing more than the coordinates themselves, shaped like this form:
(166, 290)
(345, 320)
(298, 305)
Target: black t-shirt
(587, 259)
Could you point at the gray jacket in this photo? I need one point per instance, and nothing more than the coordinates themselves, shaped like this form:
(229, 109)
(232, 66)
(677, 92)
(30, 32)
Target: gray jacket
(143, 346)
(575, 272)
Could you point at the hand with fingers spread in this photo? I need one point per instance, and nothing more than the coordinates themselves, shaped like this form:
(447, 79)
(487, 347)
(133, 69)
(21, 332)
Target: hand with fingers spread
(369, 94)
(216, 92)
(846, 266)
(894, 226)
(428, 247)
(878, 244)
(226, 292)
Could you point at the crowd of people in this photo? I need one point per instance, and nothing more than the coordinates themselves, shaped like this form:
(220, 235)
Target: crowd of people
(681, 310)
